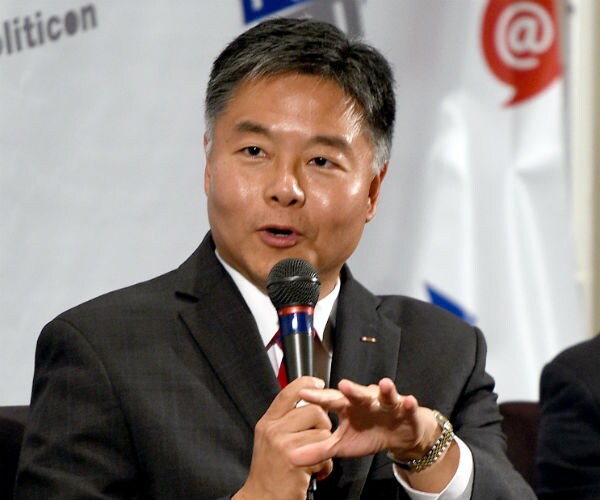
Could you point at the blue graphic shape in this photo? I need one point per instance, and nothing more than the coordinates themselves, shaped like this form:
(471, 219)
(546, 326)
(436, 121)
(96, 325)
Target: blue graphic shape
(439, 299)
(257, 9)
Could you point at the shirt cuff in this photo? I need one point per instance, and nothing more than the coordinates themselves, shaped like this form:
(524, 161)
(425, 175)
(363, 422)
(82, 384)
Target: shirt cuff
(459, 488)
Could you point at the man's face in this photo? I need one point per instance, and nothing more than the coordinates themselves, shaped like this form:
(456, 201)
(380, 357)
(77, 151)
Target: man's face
(289, 174)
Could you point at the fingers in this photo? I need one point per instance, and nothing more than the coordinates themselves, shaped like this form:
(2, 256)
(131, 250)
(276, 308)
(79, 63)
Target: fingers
(314, 452)
(382, 397)
(370, 418)
(390, 400)
(358, 394)
(410, 404)
(295, 425)
(284, 428)
(288, 398)
(287, 424)
(328, 399)
(322, 468)
(325, 468)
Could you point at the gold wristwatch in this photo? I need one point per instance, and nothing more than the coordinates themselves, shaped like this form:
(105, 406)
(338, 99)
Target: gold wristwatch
(436, 451)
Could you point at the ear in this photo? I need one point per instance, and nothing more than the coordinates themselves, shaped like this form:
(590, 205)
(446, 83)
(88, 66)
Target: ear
(206, 164)
(374, 191)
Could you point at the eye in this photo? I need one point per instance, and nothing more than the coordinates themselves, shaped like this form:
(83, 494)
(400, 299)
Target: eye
(321, 161)
(253, 150)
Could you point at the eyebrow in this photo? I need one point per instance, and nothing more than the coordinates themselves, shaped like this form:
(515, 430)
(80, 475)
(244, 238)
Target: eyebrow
(253, 127)
(326, 140)
(332, 141)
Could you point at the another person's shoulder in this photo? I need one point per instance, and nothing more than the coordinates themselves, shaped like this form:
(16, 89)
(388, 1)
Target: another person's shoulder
(586, 352)
(578, 362)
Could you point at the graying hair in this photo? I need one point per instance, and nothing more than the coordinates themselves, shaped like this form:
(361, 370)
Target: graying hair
(284, 45)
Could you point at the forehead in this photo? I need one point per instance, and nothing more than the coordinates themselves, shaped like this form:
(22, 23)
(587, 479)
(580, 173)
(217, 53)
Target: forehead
(289, 83)
(303, 96)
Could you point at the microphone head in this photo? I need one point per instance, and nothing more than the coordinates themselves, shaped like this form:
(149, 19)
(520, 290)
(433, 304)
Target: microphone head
(293, 282)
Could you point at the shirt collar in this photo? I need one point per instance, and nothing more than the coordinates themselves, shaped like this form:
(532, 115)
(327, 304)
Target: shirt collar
(265, 313)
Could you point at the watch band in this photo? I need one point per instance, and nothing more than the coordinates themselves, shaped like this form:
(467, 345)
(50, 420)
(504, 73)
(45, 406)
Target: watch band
(436, 451)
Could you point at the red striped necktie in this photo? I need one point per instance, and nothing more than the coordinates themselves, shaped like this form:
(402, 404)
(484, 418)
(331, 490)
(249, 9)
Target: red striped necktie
(281, 374)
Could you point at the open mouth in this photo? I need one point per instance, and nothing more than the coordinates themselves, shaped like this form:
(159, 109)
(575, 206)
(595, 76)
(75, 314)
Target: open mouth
(281, 233)
(280, 237)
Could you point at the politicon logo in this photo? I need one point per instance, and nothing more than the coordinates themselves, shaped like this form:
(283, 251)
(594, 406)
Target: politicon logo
(27, 32)
(521, 45)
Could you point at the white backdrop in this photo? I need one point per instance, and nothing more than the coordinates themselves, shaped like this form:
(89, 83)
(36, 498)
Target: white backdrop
(101, 165)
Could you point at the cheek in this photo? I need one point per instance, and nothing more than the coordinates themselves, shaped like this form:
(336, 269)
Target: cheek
(356, 197)
(346, 208)
(228, 191)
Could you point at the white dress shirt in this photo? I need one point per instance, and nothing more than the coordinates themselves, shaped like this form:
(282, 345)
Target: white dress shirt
(267, 321)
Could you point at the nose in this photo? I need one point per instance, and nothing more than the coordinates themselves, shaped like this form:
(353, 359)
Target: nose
(284, 185)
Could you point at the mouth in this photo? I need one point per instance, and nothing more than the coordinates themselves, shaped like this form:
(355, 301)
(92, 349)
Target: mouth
(279, 236)
(281, 233)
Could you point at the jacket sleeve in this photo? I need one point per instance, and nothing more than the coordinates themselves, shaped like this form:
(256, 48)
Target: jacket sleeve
(477, 421)
(76, 443)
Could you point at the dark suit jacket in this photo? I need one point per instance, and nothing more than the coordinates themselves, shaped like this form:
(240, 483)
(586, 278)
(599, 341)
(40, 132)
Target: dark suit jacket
(153, 391)
(12, 425)
(568, 451)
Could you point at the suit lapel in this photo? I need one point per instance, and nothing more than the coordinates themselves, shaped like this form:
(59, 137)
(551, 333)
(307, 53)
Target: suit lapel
(365, 343)
(226, 333)
(366, 347)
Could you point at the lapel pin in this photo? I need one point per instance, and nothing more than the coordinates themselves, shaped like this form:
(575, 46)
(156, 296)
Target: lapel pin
(370, 340)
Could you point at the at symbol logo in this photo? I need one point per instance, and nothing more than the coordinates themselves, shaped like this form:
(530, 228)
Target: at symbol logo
(520, 43)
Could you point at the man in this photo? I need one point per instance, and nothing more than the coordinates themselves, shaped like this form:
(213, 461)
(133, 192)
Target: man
(568, 452)
(167, 389)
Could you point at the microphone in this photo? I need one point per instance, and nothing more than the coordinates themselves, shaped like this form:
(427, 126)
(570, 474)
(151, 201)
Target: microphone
(293, 286)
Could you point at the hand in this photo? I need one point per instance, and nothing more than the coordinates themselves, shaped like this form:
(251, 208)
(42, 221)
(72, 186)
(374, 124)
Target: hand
(371, 419)
(284, 428)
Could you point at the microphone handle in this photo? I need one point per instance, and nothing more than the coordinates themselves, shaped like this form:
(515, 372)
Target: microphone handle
(312, 488)
(298, 355)
(298, 349)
